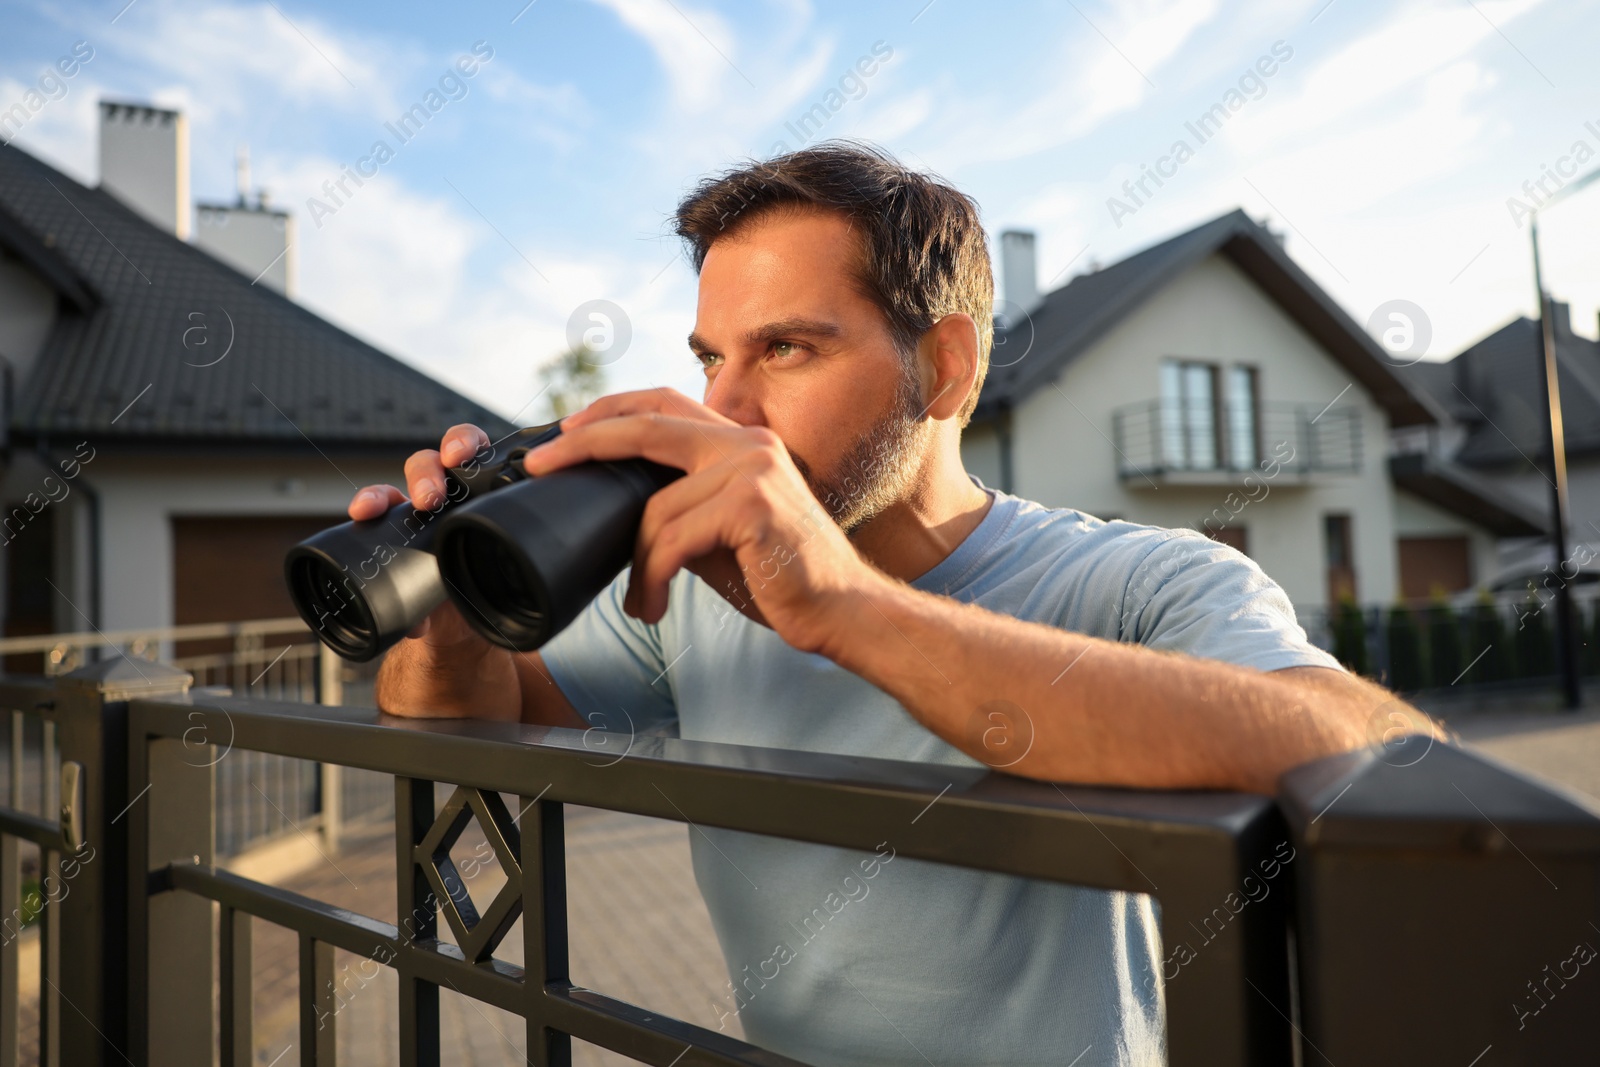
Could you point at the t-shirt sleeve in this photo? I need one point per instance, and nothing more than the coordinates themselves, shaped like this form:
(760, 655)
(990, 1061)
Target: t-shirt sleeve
(611, 666)
(1202, 598)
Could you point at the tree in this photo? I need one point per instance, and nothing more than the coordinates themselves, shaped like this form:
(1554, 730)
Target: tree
(572, 381)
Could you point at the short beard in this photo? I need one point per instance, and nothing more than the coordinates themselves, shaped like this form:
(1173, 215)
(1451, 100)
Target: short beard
(879, 469)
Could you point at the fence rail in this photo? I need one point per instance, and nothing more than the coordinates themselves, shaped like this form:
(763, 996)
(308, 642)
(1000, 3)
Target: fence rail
(135, 947)
(274, 659)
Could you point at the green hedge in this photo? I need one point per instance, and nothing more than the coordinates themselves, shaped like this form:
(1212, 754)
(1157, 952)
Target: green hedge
(1441, 645)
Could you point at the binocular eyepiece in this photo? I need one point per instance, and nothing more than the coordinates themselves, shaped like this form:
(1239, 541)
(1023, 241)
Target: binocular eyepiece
(519, 556)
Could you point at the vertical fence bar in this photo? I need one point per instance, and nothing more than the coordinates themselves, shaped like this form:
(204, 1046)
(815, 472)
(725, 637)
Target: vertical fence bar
(317, 1008)
(417, 916)
(51, 982)
(235, 1002)
(11, 932)
(11, 905)
(330, 692)
(544, 925)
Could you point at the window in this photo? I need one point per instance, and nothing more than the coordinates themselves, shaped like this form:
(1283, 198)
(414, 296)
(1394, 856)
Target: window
(1189, 415)
(1340, 554)
(1244, 450)
(1210, 416)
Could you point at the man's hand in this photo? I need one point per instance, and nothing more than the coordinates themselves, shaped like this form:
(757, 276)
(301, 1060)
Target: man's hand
(443, 669)
(742, 517)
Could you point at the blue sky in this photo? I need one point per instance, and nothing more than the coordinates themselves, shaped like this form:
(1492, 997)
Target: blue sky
(1386, 141)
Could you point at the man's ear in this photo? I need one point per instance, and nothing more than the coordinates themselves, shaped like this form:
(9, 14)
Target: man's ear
(948, 364)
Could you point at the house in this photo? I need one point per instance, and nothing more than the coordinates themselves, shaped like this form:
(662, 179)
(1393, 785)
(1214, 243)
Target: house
(1493, 396)
(1208, 382)
(172, 420)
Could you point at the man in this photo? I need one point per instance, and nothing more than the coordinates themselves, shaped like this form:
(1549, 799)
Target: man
(844, 324)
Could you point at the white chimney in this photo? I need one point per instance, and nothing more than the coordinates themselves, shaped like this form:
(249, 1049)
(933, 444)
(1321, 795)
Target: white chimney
(257, 241)
(144, 162)
(1018, 272)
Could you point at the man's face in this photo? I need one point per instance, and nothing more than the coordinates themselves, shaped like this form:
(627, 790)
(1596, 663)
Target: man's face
(790, 344)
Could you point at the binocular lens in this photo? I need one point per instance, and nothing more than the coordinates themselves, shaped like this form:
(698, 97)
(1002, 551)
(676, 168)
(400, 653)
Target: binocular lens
(497, 586)
(521, 557)
(340, 617)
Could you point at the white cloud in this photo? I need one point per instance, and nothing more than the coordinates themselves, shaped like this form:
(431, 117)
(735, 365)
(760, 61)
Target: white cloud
(230, 56)
(400, 270)
(62, 132)
(1098, 78)
(693, 46)
(1393, 150)
(1422, 38)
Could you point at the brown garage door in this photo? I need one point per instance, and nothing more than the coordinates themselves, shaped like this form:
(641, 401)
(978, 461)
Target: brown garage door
(230, 569)
(1434, 565)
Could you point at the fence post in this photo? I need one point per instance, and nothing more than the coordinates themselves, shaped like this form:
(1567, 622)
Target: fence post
(171, 936)
(1419, 856)
(330, 691)
(91, 874)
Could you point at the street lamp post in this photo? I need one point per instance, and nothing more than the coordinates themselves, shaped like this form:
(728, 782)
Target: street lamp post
(1555, 443)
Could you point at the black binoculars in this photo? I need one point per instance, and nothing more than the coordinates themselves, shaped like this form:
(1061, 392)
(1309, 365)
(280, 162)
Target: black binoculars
(520, 556)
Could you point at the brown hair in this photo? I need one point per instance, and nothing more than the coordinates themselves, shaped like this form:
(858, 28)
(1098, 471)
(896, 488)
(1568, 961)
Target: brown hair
(924, 256)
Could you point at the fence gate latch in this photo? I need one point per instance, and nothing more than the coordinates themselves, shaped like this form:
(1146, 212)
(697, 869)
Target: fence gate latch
(72, 805)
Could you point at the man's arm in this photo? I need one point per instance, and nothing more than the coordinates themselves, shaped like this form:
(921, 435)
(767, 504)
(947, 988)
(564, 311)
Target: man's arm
(1096, 711)
(447, 671)
(1051, 704)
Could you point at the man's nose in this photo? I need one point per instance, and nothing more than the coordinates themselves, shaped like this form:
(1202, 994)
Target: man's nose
(735, 392)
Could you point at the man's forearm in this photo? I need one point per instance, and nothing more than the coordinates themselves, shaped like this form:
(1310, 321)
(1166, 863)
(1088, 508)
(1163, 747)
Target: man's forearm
(1060, 706)
(418, 680)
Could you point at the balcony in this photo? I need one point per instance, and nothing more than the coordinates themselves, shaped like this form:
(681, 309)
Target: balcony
(1163, 442)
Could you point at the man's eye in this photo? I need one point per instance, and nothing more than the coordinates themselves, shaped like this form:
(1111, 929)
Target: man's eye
(785, 349)
(706, 359)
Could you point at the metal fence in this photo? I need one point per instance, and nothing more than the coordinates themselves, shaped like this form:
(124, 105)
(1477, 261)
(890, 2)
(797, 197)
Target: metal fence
(261, 798)
(1474, 642)
(1428, 888)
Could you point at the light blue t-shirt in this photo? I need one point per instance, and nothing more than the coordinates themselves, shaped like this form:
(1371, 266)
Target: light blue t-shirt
(841, 957)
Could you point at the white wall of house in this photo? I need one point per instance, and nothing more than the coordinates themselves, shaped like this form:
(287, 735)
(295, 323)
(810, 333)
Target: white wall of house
(1415, 517)
(980, 453)
(139, 497)
(1063, 456)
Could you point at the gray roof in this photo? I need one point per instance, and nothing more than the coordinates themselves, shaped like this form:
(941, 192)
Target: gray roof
(1456, 489)
(127, 294)
(1074, 316)
(1494, 388)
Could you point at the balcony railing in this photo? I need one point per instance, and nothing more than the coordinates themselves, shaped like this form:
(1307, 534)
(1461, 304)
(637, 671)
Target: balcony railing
(1163, 440)
(1390, 861)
